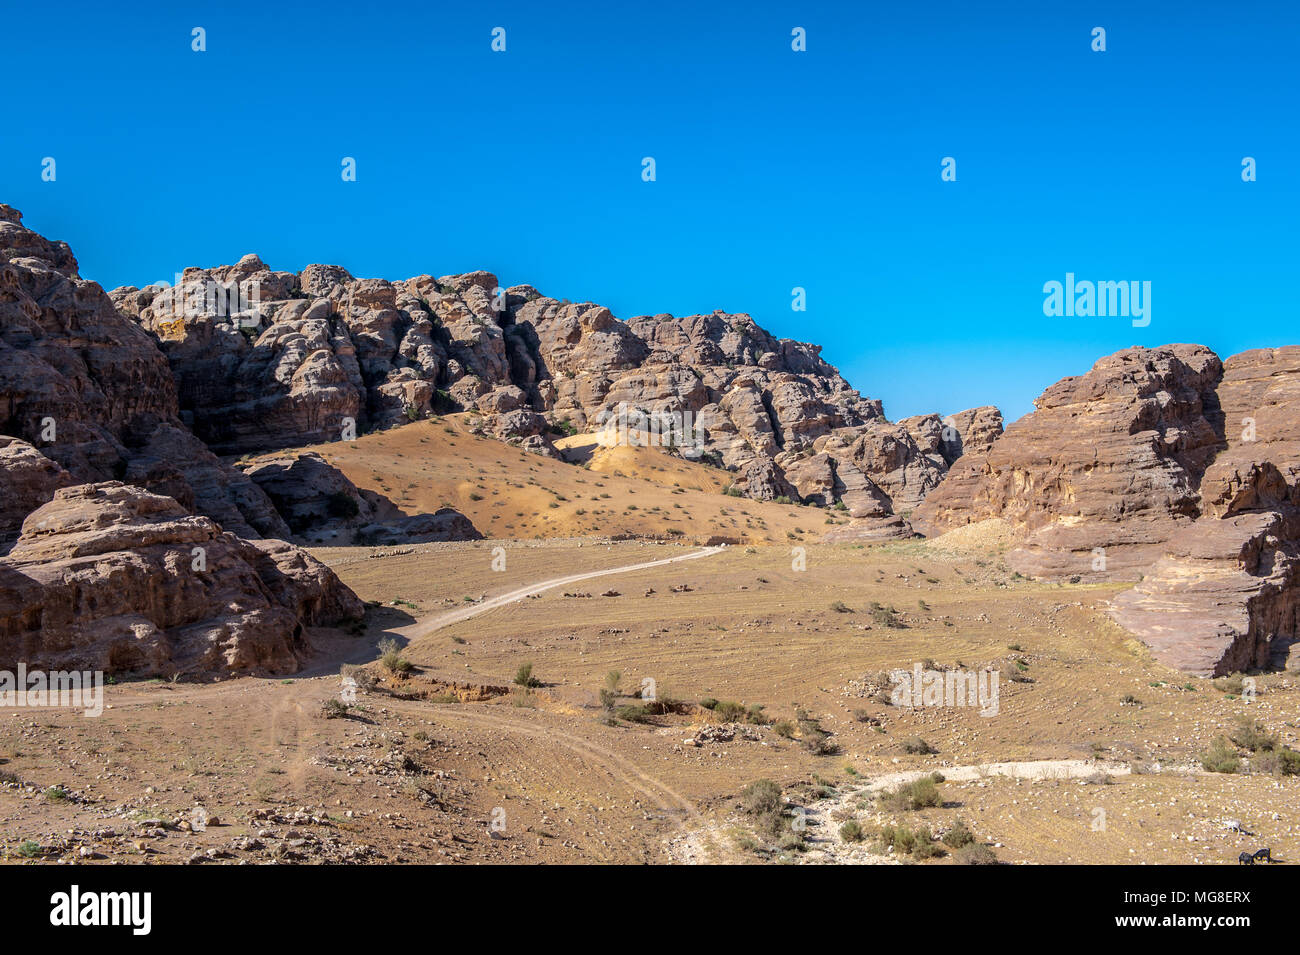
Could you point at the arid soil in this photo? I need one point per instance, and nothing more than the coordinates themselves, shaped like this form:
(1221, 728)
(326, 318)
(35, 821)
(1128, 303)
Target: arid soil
(464, 765)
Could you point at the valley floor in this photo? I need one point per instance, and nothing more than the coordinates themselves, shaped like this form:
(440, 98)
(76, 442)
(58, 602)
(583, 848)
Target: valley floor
(458, 763)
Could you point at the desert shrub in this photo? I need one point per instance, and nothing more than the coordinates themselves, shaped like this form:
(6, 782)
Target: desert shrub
(925, 847)
(729, 711)
(959, 835)
(976, 853)
(761, 796)
(915, 746)
(524, 676)
(851, 831)
(607, 699)
(1282, 761)
(917, 842)
(332, 709)
(784, 728)
(390, 655)
(1232, 684)
(1220, 757)
(918, 794)
(56, 794)
(634, 713)
(28, 849)
(1252, 735)
(886, 617)
(709, 703)
(840, 607)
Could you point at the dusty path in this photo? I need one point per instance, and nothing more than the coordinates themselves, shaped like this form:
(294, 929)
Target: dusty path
(438, 621)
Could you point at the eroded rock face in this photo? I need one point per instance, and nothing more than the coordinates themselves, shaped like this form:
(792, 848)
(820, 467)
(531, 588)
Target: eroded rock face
(27, 480)
(111, 577)
(1224, 596)
(1107, 468)
(89, 389)
(332, 349)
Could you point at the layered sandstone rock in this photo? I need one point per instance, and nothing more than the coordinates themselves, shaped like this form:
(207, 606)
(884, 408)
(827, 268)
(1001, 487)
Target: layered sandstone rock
(1106, 469)
(1224, 595)
(110, 577)
(27, 480)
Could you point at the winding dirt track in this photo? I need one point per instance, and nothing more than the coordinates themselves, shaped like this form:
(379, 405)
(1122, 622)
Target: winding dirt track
(436, 622)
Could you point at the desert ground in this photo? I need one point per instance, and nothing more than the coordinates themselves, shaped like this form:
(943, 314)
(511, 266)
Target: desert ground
(448, 755)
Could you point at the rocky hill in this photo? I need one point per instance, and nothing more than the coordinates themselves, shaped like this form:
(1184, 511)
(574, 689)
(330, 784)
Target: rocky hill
(330, 354)
(1166, 466)
(102, 485)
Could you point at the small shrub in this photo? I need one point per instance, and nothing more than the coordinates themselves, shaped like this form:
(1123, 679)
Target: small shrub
(634, 713)
(760, 797)
(919, 794)
(390, 656)
(1252, 735)
(332, 709)
(975, 854)
(851, 831)
(524, 676)
(1221, 757)
(958, 836)
(840, 607)
(915, 746)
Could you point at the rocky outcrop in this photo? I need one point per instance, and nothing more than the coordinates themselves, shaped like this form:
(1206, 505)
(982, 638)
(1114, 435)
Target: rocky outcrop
(1224, 595)
(328, 355)
(322, 506)
(111, 577)
(27, 480)
(90, 391)
(1106, 469)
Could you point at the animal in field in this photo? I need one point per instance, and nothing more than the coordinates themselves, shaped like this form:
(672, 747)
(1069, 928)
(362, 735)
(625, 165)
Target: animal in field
(1264, 855)
(1245, 859)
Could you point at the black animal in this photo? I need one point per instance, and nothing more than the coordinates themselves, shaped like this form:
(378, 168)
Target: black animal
(1263, 855)
(1245, 859)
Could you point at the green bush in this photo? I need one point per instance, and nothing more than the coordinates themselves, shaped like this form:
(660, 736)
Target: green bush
(1221, 757)
(524, 676)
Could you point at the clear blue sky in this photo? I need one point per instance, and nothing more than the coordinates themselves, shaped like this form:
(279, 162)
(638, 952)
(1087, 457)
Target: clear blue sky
(775, 169)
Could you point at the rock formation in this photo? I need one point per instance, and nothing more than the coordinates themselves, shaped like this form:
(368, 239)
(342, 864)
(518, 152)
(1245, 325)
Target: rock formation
(89, 390)
(322, 506)
(1224, 597)
(1103, 472)
(111, 577)
(325, 355)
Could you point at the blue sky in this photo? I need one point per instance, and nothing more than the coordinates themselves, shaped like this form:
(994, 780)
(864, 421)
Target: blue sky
(775, 169)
